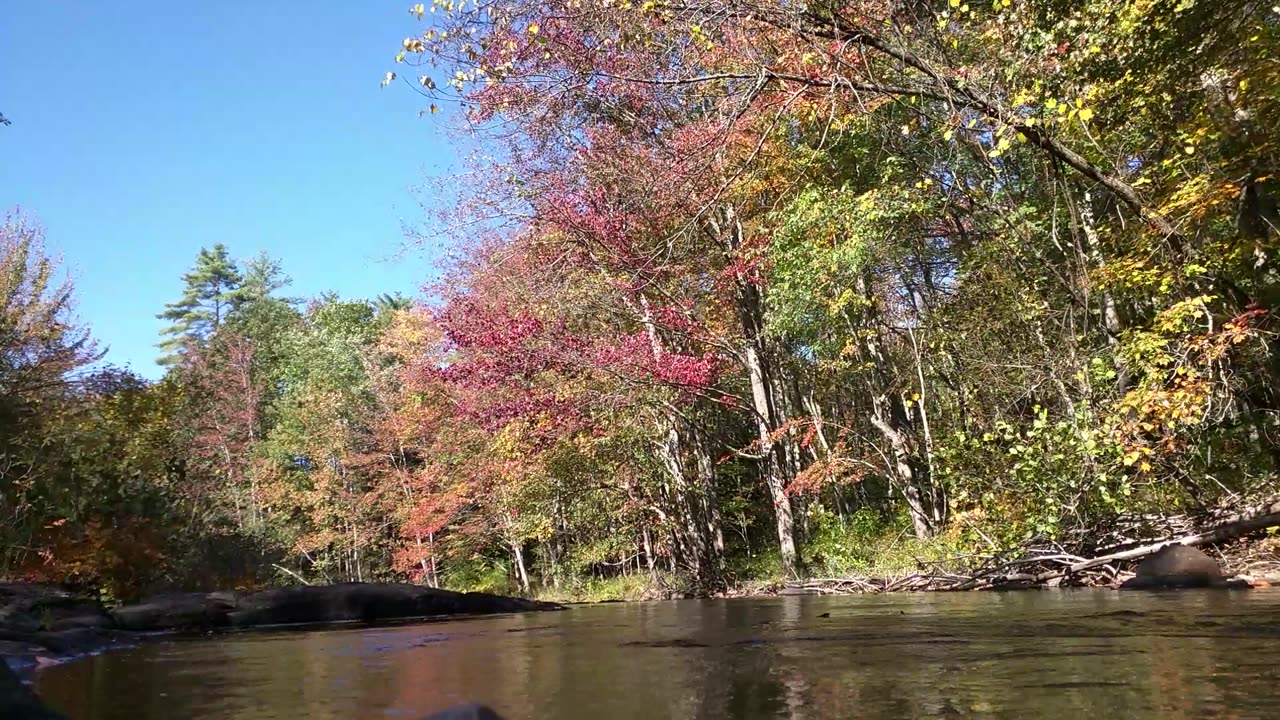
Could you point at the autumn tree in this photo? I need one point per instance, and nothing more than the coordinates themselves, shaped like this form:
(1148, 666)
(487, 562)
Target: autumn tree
(932, 257)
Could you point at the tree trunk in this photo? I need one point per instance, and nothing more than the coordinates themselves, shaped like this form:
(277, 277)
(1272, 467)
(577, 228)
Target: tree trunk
(775, 464)
(648, 554)
(699, 539)
(522, 575)
(710, 498)
(889, 416)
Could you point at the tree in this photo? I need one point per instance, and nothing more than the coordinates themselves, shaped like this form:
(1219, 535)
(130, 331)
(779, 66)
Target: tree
(212, 289)
(391, 303)
(42, 350)
(264, 318)
(320, 461)
(740, 289)
(262, 278)
(921, 251)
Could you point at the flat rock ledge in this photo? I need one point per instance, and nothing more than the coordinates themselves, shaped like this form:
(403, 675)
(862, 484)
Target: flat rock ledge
(42, 623)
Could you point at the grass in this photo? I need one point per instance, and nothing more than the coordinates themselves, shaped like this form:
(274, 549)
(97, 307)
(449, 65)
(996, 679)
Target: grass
(589, 590)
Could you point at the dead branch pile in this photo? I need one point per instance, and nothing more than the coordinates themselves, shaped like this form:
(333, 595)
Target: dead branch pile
(1052, 565)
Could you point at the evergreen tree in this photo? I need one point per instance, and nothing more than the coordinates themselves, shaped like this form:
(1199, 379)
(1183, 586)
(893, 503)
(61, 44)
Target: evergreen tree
(212, 290)
(263, 276)
(262, 317)
(387, 303)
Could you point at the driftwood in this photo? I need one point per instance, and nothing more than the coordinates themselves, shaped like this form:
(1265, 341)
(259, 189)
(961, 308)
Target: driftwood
(1006, 574)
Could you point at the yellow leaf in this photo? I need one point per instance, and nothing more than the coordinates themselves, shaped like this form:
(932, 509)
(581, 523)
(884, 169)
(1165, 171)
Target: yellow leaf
(946, 135)
(1086, 114)
(533, 28)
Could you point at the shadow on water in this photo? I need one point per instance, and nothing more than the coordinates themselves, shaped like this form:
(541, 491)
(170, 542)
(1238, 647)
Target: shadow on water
(1016, 655)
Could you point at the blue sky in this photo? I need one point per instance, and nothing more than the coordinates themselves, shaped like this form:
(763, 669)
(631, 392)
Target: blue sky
(143, 130)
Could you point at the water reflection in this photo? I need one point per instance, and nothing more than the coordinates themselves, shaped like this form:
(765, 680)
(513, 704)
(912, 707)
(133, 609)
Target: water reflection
(1016, 655)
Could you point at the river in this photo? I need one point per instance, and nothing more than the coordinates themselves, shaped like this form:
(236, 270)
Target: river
(1087, 653)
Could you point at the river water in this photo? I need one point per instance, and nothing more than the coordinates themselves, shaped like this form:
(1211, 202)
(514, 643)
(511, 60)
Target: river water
(1089, 654)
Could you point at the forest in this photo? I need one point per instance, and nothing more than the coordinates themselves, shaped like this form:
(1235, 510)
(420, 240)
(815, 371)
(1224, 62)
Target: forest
(733, 290)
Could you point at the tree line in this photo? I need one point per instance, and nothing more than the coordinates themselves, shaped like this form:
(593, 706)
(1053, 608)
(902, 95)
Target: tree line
(738, 289)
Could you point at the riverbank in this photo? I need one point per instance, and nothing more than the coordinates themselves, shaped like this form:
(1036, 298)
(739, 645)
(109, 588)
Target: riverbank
(45, 624)
(909, 565)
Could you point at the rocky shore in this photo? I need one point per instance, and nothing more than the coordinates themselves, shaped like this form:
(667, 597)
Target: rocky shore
(40, 624)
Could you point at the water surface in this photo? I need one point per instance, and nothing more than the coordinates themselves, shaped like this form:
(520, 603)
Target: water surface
(1098, 654)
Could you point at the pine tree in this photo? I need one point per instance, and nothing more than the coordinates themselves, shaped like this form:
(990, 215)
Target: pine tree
(263, 317)
(211, 293)
(391, 302)
(263, 276)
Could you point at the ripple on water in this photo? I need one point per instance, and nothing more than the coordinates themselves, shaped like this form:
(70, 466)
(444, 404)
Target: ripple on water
(1037, 655)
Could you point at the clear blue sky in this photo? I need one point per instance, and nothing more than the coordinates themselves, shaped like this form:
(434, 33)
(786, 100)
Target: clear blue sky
(143, 130)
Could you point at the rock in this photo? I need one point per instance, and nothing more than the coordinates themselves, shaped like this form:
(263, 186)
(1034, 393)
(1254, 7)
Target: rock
(176, 611)
(78, 640)
(1176, 566)
(94, 622)
(367, 602)
(672, 643)
(486, 603)
(35, 618)
(18, 648)
(466, 712)
(30, 607)
(17, 702)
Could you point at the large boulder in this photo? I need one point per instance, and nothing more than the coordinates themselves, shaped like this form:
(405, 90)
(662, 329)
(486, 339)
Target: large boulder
(1176, 566)
(366, 602)
(28, 607)
(41, 621)
(59, 619)
(17, 702)
(176, 611)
